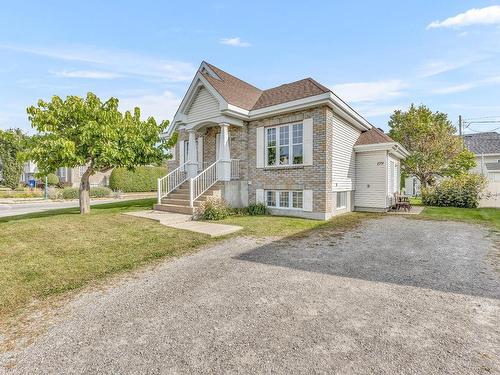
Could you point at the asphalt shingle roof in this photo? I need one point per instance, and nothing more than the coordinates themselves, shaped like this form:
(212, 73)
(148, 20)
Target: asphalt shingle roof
(374, 135)
(244, 95)
(483, 143)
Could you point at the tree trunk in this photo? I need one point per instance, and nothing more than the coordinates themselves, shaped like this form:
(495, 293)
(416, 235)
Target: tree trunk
(84, 194)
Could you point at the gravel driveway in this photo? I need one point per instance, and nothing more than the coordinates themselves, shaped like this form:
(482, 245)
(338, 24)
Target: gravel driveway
(394, 296)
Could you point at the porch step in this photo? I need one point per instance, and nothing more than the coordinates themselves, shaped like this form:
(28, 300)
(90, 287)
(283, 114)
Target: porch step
(175, 208)
(181, 202)
(178, 200)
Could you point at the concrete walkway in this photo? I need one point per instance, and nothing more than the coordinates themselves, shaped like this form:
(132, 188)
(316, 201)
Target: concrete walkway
(181, 221)
(415, 210)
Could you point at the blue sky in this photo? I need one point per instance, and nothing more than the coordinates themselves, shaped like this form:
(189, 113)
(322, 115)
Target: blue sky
(378, 56)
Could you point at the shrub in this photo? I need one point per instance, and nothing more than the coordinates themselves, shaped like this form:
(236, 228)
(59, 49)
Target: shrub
(257, 209)
(69, 193)
(54, 193)
(142, 179)
(21, 193)
(100, 192)
(462, 191)
(214, 209)
(63, 184)
(52, 179)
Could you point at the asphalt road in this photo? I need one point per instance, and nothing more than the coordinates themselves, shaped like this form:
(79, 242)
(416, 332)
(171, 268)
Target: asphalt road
(395, 296)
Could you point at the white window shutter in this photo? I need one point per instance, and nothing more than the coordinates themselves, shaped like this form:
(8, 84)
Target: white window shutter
(308, 141)
(181, 153)
(200, 152)
(308, 200)
(260, 147)
(259, 195)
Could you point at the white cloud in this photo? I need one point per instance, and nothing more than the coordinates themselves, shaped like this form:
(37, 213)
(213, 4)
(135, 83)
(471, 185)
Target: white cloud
(117, 62)
(454, 88)
(90, 74)
(160, 106)
(475, 16)
(433, 68)
(369, 91)
(493, 80)
(374, 110)
(234, 42)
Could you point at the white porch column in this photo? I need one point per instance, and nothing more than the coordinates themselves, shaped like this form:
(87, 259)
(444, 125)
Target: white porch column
(224, 153)
(192, 156)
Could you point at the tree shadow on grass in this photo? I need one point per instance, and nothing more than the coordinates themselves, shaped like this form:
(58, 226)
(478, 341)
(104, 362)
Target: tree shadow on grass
(443, 256)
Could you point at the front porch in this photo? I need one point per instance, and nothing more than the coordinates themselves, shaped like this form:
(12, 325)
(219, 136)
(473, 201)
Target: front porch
(203, 164)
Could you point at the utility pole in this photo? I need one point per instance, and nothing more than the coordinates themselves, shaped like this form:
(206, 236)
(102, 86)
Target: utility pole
(460, 124)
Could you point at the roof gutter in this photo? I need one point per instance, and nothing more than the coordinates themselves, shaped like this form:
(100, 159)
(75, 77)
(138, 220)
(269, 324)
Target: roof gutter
(392, 147)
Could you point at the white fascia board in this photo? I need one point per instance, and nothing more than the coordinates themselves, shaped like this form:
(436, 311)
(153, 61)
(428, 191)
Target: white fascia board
(393, 148)
(359, 120)
(330, 99)
(289, 106)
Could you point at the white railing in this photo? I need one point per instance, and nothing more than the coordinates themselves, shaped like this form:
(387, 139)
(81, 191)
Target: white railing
(203, 181)
(171, 181)
(235, 169)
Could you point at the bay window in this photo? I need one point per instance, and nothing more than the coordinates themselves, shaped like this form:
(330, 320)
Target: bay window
(284, 145)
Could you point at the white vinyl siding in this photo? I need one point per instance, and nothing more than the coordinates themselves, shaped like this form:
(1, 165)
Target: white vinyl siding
(392, 176)
(371, 179)
(343, 156)
(204, 106)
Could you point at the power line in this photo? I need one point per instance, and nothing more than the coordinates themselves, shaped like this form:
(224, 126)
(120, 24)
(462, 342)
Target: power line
(478, 118)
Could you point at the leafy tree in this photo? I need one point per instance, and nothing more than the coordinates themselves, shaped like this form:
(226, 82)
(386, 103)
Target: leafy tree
(431, 138)
(12, 143)
(461, 164)
(88, 132)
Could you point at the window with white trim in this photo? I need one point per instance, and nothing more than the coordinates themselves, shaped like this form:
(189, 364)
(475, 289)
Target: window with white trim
(341, 199)
(285, 145)
(285, 199)
(62, 172)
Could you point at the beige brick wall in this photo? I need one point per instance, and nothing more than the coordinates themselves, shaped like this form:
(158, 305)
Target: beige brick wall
(317, 177)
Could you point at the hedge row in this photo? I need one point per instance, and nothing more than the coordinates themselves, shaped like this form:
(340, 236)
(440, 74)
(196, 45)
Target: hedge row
(73, 193)
(142, 179)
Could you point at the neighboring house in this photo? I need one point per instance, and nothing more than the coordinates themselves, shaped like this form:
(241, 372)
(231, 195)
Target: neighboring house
(298, 148)
(72, 176)
(486, 147)
(29, 171)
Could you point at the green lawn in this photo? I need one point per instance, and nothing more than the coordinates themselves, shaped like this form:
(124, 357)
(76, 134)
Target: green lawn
(43, 254)
(485, 216)
(268, 226)
(48, 253)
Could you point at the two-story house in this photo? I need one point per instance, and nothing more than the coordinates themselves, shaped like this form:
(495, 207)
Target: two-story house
(298, 148)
